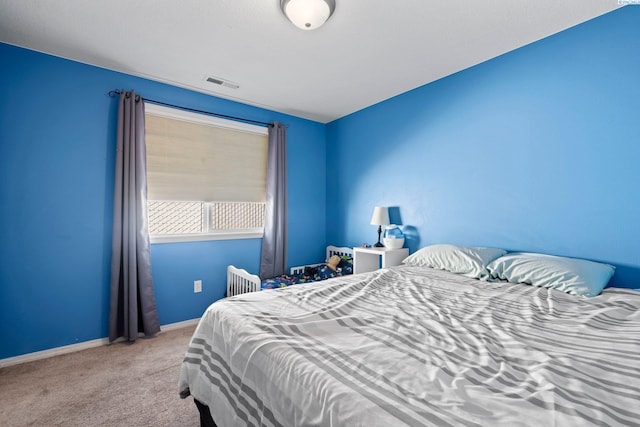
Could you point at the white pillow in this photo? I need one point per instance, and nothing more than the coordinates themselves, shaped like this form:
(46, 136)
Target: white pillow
(571, 275)
(468, 261)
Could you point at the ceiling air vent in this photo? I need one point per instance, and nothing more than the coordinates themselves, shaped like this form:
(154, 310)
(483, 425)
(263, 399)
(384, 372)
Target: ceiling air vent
(222, 82)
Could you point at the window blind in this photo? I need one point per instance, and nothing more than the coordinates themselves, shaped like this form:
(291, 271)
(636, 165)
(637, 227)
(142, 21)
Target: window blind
(189, 160)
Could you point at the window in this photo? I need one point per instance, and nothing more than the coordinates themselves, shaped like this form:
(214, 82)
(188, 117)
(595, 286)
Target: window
(206, 177)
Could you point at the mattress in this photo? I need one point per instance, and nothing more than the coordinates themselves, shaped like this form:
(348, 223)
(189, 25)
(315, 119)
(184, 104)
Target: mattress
(418, 347)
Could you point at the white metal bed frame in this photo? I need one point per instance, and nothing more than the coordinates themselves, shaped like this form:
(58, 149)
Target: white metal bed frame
(240, 281)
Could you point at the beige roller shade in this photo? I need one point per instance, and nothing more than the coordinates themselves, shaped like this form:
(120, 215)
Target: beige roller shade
(191, 160)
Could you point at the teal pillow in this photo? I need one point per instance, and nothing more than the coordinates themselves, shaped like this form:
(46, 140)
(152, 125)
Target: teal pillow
(571, 275)
(470, 261)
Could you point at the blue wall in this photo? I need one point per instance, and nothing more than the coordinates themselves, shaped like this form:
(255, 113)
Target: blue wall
(537, 150)
(534, 150)
(57, 150)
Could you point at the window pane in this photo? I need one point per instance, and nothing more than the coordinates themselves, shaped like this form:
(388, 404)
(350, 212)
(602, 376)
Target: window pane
(236, 215)
(168, 217)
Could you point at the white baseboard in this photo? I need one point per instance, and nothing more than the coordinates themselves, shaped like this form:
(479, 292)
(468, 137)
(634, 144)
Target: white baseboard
(30, 357)
(178, 325)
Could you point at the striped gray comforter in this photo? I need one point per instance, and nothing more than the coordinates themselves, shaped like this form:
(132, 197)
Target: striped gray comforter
(416, 346)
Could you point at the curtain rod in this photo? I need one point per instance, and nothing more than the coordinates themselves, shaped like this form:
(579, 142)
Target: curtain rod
(113, 93)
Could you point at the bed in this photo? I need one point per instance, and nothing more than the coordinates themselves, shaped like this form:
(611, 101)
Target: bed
(240, 281)
(415, 345)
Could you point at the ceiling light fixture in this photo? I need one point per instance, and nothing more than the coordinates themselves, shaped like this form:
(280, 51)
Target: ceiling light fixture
(308, 14)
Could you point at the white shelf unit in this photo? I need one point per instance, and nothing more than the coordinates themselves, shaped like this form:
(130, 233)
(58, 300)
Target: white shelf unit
(371, 259)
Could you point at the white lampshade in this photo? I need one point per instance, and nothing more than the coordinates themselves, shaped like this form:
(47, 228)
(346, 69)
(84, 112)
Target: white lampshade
(380, 216)
(308, 14)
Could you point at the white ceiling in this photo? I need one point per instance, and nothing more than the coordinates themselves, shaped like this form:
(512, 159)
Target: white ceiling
(368, 51)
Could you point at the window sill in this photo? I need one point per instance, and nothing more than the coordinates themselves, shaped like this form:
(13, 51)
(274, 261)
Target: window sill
(175, 238)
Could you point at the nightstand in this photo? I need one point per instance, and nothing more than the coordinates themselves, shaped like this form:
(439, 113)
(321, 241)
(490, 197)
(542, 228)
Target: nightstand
(371, 259)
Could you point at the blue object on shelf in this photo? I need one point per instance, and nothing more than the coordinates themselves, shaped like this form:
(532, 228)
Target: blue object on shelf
(393, 237)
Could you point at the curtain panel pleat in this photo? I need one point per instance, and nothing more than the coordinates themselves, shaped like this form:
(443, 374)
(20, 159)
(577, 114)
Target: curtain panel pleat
(133, 306)
(273, 260)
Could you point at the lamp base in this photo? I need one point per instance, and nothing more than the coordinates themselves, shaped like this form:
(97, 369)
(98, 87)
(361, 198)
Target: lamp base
(379, 245)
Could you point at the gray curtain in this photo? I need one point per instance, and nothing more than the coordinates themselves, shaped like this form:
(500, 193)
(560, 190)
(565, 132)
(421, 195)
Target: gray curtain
(133, 305)
(274, 243)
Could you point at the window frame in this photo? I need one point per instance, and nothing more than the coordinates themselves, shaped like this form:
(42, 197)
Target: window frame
(175, 113)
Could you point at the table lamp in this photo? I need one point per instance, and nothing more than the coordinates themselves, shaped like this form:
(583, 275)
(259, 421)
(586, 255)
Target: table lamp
(380, 217)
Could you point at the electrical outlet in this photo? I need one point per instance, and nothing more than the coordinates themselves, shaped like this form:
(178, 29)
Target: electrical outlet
(197, 286)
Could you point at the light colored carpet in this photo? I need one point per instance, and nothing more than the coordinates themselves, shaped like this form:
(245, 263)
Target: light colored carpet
(116, 385)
